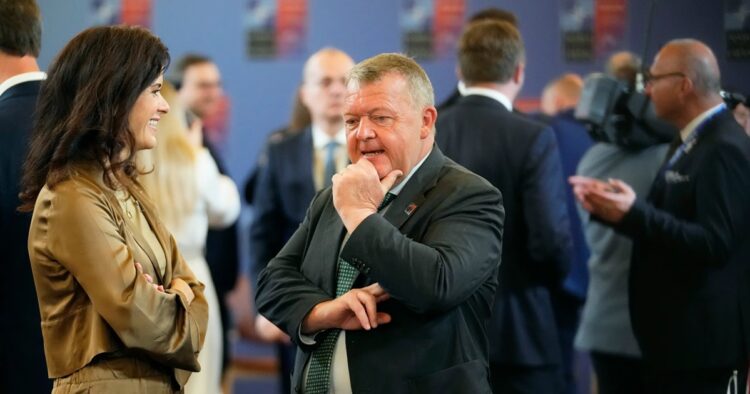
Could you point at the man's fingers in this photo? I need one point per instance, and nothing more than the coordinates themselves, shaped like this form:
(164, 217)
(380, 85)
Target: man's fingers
(148, 277)
(375, 289)
(138, 267)
(383, 318)
(621, 186)
(368, 301)
(378, 292)
(359, 311)
(389, 180)
(579, 180)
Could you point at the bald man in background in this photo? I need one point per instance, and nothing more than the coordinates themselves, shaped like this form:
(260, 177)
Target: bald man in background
(298, 165)
(688, 283)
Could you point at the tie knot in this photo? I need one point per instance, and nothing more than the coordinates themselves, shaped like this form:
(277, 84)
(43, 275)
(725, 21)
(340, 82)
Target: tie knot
(332, 145)
(386, 200)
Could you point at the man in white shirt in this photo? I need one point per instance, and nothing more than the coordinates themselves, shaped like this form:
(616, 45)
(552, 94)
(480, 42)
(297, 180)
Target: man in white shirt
(21, 350)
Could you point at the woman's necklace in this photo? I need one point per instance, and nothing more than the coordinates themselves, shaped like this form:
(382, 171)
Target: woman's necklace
(129, 204)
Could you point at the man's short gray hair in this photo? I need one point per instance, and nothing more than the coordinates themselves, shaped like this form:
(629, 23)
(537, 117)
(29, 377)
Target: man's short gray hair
(375, 68)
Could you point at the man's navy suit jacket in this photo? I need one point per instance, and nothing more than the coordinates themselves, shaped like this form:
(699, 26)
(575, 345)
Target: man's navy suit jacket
(688, 278)
(22, 352)
(282, 195)
(520, 157)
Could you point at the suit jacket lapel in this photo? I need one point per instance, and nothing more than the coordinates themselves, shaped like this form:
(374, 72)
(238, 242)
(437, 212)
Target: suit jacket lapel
(330, 246)
(412, 195)
(306, 151)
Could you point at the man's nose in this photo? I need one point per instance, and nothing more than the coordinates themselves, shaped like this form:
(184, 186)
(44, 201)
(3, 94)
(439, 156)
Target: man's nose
(365, 130)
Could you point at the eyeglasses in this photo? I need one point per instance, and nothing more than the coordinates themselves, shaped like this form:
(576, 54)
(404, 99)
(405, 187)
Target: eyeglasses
(652, 78)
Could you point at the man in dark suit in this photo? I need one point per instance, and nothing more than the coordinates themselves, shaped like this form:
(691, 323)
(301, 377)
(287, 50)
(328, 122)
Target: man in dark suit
(690, 236)
(298, 164)
(520, 157)
(558, 102)
(21, 351)
(390, 298)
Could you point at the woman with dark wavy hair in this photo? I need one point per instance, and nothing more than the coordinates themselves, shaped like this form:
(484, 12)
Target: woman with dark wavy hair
(121, 311)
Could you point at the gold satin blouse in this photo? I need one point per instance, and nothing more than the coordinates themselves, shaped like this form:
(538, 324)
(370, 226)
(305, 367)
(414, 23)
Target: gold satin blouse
(91, 299)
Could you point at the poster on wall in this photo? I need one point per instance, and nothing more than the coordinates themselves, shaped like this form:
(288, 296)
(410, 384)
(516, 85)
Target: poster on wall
(737, 28)
(431, 28)
(275, 29)
(577, 26)
(129, 12)
(610, 18)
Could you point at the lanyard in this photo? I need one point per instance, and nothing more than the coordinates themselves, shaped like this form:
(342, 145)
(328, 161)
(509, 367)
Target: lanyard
(691, 139)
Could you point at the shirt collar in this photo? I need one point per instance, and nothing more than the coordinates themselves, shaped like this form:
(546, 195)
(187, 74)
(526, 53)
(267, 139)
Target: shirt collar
(461, 88)
(397, 189)
(685, 133)
(491, 93)
(321, 138)
(21, 78)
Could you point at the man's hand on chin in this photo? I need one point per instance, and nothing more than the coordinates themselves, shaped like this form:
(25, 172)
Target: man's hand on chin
(358, 191)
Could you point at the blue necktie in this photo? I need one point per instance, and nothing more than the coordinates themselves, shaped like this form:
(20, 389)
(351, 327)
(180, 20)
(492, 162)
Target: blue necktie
(320, 360)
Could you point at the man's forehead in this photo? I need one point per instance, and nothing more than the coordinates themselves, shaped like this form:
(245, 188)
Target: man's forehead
(202, 71)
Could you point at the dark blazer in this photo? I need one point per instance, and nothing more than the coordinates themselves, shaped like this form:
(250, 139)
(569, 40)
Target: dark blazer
(22, 346)
(691, 245)
(449, 101)
(282, 194)
(573, 140)
(519, 157)
(436, 250)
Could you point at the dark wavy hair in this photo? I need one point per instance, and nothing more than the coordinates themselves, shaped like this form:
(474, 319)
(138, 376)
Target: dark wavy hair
(83, 108)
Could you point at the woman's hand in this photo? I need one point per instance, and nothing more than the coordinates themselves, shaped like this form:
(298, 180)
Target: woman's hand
(149, 279)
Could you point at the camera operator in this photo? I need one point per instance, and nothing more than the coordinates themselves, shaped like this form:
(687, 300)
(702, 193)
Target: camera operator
(605, 330)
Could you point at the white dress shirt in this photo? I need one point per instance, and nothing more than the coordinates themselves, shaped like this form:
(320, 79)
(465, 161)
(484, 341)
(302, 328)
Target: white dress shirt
(491, 93)
(320, 142)
(685, 133)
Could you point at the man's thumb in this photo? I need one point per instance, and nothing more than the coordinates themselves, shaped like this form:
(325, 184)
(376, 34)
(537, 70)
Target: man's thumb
(390, 179)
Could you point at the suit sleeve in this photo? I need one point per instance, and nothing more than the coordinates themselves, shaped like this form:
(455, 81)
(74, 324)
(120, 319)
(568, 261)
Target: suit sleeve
(283, 294)
(722, 213)
(82, 235)
(459, 251)
(266, 237)
(549, 241)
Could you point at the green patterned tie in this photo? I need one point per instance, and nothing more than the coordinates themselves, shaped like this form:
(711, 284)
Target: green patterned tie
(320, 360)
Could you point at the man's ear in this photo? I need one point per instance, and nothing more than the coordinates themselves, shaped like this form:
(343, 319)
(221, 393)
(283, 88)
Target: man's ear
(518, 73)
(429, 117)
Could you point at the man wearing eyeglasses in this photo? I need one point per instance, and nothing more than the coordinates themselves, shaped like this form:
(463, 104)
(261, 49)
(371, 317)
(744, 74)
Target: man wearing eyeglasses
(691, 245)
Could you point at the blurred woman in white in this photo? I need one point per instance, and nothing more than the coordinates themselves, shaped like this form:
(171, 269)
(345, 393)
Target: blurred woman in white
(191, 196)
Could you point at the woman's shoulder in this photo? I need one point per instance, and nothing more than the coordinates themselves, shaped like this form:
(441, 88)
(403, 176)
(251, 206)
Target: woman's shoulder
(78, 191)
